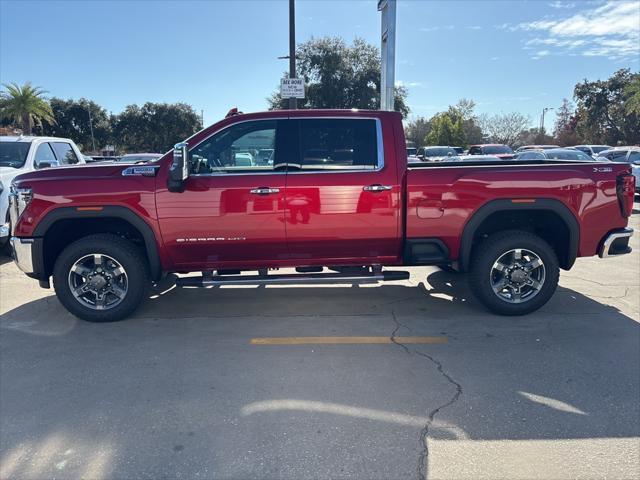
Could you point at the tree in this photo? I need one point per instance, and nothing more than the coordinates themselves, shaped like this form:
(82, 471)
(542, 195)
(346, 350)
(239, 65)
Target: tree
(564, 131)
(465, 109)
(417, 130)
(337, 75)
(25, 105)
(446, 129)
(75, 119)
(504, 127)
(608, 109)
(154, 127)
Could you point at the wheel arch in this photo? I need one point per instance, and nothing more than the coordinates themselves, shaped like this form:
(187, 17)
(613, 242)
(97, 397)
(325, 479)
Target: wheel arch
(97, 221)
(533, 212)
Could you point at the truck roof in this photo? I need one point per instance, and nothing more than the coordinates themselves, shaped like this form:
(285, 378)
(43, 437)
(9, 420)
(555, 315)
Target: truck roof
(30, 138)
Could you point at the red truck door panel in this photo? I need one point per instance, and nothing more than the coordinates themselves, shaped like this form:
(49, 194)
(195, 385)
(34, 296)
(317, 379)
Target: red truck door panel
(341, 202)
(232, 209)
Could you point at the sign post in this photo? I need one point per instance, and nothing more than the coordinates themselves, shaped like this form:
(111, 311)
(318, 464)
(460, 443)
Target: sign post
(388, 51)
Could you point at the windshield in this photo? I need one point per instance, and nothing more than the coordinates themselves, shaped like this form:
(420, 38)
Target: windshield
(438, 152)
(601, 148)
(496, 149)
(13, 154)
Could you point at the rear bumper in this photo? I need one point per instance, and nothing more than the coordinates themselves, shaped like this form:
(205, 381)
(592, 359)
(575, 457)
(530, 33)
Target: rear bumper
(616, 243)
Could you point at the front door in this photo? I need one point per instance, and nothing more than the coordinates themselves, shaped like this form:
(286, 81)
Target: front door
(231, 212)
(342, 203)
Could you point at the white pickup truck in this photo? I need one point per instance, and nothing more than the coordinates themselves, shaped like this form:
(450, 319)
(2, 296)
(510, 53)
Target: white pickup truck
(23, 154)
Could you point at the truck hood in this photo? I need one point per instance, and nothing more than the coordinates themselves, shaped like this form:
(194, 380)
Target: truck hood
(83, 172)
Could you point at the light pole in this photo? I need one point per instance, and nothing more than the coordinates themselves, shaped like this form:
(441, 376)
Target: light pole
(388, 53)
(93, 140)
(293, 102)
(544, 111)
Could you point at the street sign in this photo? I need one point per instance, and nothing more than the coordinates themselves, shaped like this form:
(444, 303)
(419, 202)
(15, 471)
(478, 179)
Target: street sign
(292, 88)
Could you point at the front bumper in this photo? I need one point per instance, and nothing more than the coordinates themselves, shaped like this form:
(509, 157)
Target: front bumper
(616, 243)
(22, 250)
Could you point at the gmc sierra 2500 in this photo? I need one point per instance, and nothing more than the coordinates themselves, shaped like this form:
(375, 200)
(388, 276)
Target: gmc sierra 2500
(328, 192)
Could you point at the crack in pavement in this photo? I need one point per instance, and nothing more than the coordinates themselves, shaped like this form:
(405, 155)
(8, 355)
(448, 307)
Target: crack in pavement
(424, 455)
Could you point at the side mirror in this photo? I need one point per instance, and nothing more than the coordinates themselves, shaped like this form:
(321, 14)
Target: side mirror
(179, 169)
(47, 164)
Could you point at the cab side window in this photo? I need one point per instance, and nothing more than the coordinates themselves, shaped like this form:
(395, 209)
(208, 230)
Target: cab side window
(246, 147)
(475, 151)
(64, 153)
(338, 144)
(44, 156)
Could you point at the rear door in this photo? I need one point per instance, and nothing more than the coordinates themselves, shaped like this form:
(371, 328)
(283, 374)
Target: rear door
(342, 202)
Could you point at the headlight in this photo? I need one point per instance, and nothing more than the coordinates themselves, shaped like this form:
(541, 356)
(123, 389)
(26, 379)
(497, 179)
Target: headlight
(19, 198)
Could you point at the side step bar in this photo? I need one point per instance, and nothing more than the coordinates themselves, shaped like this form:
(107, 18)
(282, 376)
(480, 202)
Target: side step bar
(292, 279)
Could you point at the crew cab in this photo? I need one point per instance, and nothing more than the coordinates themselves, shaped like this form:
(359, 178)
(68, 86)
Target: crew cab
(25, 154)
(335, 199)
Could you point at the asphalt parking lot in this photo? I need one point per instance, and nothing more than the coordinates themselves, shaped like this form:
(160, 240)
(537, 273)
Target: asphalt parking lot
(224, 383)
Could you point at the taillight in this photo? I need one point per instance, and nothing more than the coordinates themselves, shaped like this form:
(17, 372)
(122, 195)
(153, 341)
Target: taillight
(625, 189)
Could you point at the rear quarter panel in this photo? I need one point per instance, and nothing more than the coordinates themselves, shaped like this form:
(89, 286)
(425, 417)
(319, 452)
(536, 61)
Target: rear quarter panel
(441, 200)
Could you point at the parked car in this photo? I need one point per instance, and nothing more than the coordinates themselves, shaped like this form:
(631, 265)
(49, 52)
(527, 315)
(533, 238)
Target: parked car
(554, 154)
(339, 217)
(592, 150)
(630, 155)
(535, 147)
(435, 153)
(500, 151)
(139, 157)
(24, 154)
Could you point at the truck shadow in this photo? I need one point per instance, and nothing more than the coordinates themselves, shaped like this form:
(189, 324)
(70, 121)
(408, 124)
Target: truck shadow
(564, 372)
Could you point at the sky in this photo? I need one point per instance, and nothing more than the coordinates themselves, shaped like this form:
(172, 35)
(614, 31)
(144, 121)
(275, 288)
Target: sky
(505, 55)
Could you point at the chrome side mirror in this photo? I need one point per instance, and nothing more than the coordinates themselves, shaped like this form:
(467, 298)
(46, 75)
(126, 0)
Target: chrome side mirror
(179, 169)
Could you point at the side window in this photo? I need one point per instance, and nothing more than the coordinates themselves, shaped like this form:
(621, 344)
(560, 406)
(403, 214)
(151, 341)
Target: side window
(244, 147)
(634, 157)
(420, 152)
(65, 154)
(338, 144)
(617, 156)
(474, 151)
(44, 154)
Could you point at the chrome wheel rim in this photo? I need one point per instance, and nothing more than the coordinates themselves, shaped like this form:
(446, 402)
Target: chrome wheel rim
(98, 281)
(517, 275)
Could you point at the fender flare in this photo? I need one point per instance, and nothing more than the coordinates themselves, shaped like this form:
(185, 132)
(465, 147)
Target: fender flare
(500, 205)
(108, 211)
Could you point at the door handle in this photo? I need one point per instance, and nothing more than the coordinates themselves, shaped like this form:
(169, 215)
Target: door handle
(265, 190)
(377, 188)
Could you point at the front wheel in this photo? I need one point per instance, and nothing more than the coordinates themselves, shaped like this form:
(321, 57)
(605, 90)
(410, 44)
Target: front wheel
(514, 272)
(101, 278)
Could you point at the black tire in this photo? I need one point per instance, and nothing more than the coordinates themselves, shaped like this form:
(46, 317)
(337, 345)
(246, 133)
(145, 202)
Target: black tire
(125, 253)
(490, 250)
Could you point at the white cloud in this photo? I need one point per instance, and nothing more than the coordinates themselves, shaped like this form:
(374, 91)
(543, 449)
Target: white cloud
(435, 28)
(474, 27)
(559, 5)
(610, 30)
(402, 83)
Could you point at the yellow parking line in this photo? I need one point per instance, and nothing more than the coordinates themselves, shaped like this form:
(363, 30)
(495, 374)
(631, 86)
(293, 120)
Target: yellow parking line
(345, 340)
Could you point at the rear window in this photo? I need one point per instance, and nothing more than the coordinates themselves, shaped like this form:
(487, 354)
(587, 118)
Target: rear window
(497, 149)
(13, 154)
(335, 144)
(438, 152)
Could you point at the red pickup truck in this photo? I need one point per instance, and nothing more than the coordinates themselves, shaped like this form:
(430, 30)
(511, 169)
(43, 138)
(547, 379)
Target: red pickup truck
(327, 192)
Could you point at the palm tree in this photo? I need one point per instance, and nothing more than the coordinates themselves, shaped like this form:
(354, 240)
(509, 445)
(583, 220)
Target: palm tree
(25, 105)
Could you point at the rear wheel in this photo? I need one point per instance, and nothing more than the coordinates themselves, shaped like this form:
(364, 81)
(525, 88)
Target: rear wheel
(101, 278)
(514, 272)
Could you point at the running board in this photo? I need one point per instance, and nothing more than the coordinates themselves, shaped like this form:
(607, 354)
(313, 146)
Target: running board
(291, 279)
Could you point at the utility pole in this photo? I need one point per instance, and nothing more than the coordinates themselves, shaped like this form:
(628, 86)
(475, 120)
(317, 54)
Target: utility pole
(93, 140)
(202, 117)
(293, 102)
(388, 53)
(544, 111)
